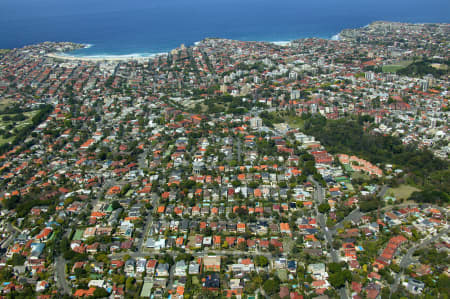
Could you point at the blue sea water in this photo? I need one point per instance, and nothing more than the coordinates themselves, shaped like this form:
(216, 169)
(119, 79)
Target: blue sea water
(143, 27)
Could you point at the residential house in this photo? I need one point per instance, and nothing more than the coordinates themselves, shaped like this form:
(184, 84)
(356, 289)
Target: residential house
(211, 263)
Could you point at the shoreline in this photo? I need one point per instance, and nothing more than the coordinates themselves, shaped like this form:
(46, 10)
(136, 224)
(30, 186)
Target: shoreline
(142, 57)
(134, 57)
(103, 58)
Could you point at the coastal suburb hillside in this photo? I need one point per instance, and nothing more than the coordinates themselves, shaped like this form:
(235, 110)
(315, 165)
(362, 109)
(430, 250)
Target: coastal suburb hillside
(229, 169)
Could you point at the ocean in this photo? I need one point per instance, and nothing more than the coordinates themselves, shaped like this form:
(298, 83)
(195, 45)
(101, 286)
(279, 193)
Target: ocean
(146, 27)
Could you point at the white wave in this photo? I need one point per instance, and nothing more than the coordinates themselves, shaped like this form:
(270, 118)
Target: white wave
(132, 55)
(281, 43)
(97, 57)
(336, 37)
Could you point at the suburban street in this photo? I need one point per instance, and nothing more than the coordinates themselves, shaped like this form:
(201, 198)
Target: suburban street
(147, 226)
(408, 257)
(60, 268)
(356, 213)
(353, 216)
(13, 231)
(319, 196)
(60, 262)
(383, 190)
(136, 255)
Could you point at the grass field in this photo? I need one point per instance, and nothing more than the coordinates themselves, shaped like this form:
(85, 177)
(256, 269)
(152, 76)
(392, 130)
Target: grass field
(78, 234)
(295, 122)
(282, 274)
(195, 281)
(288, 244)
(393, 68)
(439, 66)
(402, 191)
(5, 103)
(6, 140)
(360, 175)
(10, 125)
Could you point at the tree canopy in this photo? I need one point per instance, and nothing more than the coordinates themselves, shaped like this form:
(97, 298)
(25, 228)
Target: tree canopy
(348, 135)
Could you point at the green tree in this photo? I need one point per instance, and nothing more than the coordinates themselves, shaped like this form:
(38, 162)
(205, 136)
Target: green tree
(261, 261)
(336, 280)
(17, 259)
(271, 286)
(115, 205)
(324, 208)
(100, 293)
(129, 284)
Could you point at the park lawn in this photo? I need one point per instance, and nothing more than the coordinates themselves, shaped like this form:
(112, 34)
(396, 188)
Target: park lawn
(295, 122)
(78, 234)
(393, 68)
(402, 191)
(29, 115)
(349, 187)
(282, 275)
(222, 106)
(195, 281)
(203, 107)
(191, 242)
(440, 66)
(19, 125)
(5, 103)
(288, 244)
(360, 175)
(7, 140)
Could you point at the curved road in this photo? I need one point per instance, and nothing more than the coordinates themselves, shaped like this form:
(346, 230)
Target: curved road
(408, 260)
